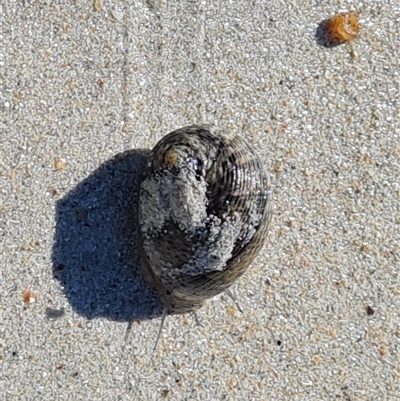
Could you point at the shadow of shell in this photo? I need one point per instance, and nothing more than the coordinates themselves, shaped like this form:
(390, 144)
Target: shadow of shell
(95, 254)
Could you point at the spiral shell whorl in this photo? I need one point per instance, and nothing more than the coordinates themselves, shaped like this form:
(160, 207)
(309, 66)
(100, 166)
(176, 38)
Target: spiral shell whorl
(204, 213)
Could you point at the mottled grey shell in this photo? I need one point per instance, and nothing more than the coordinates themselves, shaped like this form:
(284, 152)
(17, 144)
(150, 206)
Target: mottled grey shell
(204, 214)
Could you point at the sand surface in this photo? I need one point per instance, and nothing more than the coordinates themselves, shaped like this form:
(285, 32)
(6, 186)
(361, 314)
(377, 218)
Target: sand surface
(87, 88)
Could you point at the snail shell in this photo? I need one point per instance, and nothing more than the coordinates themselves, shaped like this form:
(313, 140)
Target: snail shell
(204, 213)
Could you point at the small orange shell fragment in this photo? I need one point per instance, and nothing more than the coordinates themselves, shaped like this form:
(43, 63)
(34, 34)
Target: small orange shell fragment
(59, 164)
(29, 296)
(342, 28)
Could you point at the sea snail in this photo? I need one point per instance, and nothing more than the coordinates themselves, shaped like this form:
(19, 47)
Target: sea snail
(204, 212)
